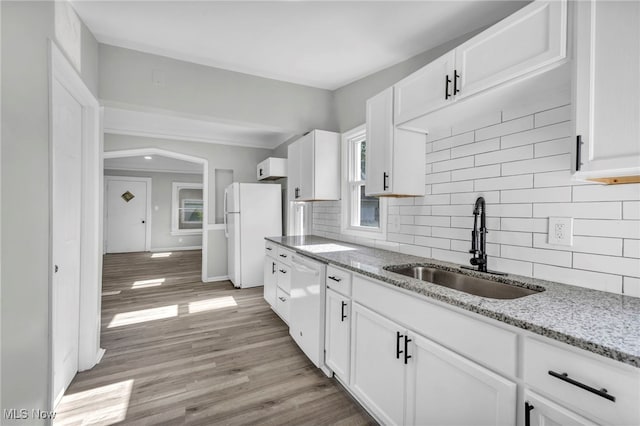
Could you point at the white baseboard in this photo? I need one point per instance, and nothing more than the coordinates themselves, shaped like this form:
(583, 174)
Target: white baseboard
(159, 249)
(100, 355)
(218, 278)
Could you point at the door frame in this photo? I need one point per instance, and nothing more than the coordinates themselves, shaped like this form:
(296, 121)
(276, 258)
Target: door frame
(89, 351)
(205, 187)
(148, 216)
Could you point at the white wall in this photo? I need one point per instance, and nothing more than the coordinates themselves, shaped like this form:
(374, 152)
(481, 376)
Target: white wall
(161, 204)
(518, 160)
(26, 29)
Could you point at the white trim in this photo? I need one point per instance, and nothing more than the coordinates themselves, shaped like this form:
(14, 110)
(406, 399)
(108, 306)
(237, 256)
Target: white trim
(345, 218)
(175, 212)
(89, 351)
(186, 248)
(215, 227)
(136, 169)
(148, 215)
(216, 279)
(205, 186)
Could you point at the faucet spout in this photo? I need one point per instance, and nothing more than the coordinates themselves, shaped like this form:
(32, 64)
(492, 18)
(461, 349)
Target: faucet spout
(479, 236)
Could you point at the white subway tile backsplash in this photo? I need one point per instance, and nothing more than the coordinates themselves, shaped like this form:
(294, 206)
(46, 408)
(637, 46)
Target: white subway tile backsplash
(453, 210)
(458, 163)
(543, 195)
(629, 191)
(501, 183)
(524, 239)
(523, 224)
(535, 255)
(632, 286)
(476, 148)
(433, 220)
(594, 245)
(490, 197)
(506, 128)
(435, 156)
(539, 134)
(537, 165)
(511, 266)
(415, 250)
(451, 233)
(442, 243)
(545, 102)
(466, 222)
(438, 134)
(607, 228)
(415, 210)
(631, 210)
(632, 248)
(450, 256)
(433, 200)
(554, 147)
(477, 122)
(609, 264)
(605, 210)
(476, 173)
(438, 177)
(558, 178)
(552, 116)
(504, 155)
(510, 210)
(414, 230)
(594, 280)
(450, 188)
(400, 238)
(453, 141)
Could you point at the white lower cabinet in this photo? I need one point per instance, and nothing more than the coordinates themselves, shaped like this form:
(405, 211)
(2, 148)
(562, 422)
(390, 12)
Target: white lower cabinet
(338, 334)
(270, 280)
(445, 388)
(378, 372)
(539, 411)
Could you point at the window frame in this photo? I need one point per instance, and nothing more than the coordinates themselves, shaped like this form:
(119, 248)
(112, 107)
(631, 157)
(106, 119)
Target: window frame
(175, 208)
(351, 190)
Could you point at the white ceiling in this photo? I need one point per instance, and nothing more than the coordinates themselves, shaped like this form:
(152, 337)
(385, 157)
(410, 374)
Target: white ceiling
(325, 44)
(157, 163)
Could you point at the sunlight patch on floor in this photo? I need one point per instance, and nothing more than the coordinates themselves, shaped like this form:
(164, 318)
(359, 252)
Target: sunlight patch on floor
(144, 315)
(148, 283)
(212, 304)
(159, 255)
(112, 407)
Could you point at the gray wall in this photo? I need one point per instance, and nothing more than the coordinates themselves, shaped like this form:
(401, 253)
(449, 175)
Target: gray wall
(161, 203)
(200, 90)
(26, 28)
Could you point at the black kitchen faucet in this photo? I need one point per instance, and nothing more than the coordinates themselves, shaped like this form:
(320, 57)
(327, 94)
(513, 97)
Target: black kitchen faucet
(479, 236)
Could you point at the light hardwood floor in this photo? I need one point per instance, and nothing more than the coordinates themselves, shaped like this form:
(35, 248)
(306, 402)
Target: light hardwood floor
(179, 351)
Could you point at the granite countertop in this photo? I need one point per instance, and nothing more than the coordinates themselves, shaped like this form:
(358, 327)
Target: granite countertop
(604, 323)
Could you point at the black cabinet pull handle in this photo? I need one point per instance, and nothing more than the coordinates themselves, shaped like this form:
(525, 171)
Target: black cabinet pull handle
(297, 193)
(269, 248)
(282, 255)
(283, 271)
(578, 152)
(282, 299)
(527, 413)
(385, 177)
(406, 349)
(273, 267)
(398, 351)
(331, 277)
(456, 76)
(344, 316)
(260, 172)
(565, 378)
(447, 82)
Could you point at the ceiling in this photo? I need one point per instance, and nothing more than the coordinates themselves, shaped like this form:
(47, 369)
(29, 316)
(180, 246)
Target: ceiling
(157, 163)
(324, 44)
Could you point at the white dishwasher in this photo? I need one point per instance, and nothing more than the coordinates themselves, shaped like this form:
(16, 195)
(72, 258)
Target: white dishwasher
(306, 315)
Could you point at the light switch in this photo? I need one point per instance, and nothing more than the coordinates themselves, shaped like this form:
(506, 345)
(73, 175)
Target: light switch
(561, 231)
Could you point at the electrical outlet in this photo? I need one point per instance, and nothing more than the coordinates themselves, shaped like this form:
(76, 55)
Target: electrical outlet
(561, 231)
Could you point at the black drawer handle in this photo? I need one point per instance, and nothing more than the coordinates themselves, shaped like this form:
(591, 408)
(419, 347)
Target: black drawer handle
(282, 299)
(283, 255)
(344, 316)
(600, 392)
(398, 351)
(273, 267)
(406, 349)
(527, 413)
(269, 248)
(283, 271)
(331, 277)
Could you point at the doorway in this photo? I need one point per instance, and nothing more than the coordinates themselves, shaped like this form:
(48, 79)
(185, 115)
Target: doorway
(128, 214)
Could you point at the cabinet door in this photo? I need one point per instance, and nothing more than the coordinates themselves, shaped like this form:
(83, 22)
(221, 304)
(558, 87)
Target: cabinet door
(542, 412)
(607, 95)
(270, 277)
(530, 39)
(293, 167)
(307, 164)
(445, 388)
(338, 331)
(377, 373)
(379, 143)
(425, 90)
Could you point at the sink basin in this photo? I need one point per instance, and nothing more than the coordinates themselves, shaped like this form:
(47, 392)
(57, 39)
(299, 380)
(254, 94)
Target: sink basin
(464, 283)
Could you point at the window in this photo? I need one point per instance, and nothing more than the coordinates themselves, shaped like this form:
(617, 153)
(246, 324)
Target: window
(187, 208)
(362, 215)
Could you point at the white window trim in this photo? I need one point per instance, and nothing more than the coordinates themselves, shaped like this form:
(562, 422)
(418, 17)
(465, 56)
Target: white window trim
(175, 212)
(346, 227)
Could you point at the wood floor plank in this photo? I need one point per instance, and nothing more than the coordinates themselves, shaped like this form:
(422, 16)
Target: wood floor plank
(179, 351)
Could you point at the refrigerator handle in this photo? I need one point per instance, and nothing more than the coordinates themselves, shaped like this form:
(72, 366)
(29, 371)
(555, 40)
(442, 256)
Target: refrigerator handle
(226, 231)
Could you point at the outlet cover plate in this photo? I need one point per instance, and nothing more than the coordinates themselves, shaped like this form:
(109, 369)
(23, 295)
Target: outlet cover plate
(561, 231)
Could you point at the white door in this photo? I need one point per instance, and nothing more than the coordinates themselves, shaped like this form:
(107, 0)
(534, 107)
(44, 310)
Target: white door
(127, 215)
(377, 366)
(533, 37)
(379, 143)
(445, 388)
(337, 335)
(542, 412)
(66, 206)
(425, 90)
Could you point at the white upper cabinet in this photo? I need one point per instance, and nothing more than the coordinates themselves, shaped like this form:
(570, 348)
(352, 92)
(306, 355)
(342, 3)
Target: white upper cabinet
(607, 91)
(313, 165)
(527, 43)
(272, 168)
(395, 157)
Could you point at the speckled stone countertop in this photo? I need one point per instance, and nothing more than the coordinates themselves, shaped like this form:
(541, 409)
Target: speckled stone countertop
(604, 323)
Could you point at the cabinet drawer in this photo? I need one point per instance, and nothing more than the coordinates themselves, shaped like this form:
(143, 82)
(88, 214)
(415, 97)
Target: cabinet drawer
(282, 304)
(622, 383)
(284, 277)
(472, 337)
(339, 280)
(284, 255)
(270, 249)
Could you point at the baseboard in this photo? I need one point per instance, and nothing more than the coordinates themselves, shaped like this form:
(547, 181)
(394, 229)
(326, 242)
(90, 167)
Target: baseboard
(155, 250)
(218, 278)
(100, 355)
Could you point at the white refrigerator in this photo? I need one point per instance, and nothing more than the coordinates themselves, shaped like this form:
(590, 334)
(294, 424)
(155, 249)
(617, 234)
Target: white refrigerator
(252, 211)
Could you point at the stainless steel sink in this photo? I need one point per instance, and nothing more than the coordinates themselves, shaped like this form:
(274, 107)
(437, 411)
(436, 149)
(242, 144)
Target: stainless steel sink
(464, 283)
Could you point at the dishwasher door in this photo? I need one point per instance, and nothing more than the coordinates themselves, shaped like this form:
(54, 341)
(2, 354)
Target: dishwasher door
(306, 315)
